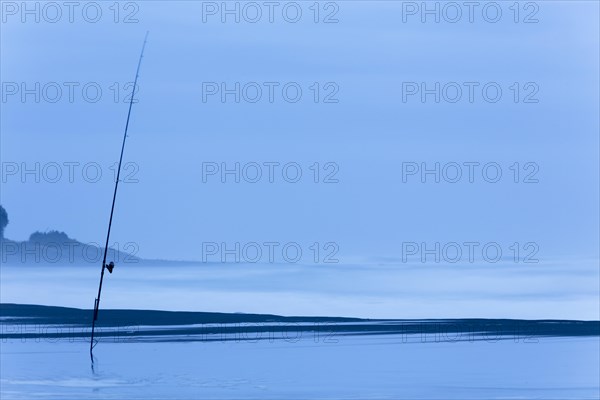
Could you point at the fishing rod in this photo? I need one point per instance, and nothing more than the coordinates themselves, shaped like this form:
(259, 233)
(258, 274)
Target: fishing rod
(110, 266)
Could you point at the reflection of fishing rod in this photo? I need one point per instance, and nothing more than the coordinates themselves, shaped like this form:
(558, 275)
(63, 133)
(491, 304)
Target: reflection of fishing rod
(112, 265)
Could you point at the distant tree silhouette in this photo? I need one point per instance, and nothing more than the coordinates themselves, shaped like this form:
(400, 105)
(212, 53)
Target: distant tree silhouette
(3, 221)
(49, 237)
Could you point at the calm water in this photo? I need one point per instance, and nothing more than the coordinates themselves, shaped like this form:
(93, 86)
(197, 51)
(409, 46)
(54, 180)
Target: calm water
(354, 367)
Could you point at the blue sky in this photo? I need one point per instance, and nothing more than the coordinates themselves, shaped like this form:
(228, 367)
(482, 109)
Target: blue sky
(368, 134)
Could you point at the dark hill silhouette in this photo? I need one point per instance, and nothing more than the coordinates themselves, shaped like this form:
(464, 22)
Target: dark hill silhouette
(57, 248)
